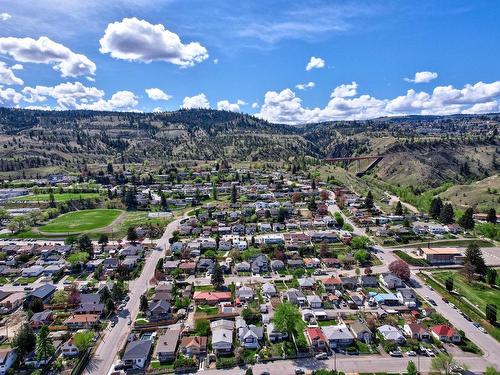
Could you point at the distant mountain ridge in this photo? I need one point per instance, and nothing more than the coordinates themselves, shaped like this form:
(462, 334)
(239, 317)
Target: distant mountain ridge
(31, 139)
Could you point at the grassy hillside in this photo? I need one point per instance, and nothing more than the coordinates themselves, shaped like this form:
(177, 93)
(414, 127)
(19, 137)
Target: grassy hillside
(482, 195)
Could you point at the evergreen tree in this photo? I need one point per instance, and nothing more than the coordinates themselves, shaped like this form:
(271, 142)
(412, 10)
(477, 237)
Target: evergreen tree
(313, 184)
(132, 234)
(24, 341)
(474, 256)
(369, 200)
(411, 369)
(52, 201)
(491, 217)
(399, 209)
(234, 194)
(446, 216)
(143, 304)
(163, 201)
(491, 313)
(103, 240)
(44, 346)
(467, 219)
(436, 207)
(491, 276)
(217, 277)
(449, 284)
(312, 206)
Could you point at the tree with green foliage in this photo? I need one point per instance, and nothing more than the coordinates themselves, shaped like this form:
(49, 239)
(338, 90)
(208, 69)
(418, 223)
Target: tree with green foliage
(369, 200)
(85, 244)
(474, 256)
(71, 239)
(287, 318)
(202, 327)
(443, 363)
(132, 235)
(79, 257)
(449, 284)
(36, 305)
(491, 217)
(339, 219)
(83, 340)
(143, 304)
(109, 306)
(234, 194)
(214, 191)
(491, 313)
(490, 370)
(360, 242)
(105, 294)
(103, 240)
(447, 214)
(361, 256)
(249, 371)
(130, 200)
(411, 369)
(399, 209)
(211, 254)
(491, 276)
(24, 341)
(52, 200)
(312, 206)
(217, 277)
(44, 347)
(466, 221)
(436, 207)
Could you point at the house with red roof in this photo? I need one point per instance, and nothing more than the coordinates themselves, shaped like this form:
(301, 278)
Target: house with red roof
(332, 284)
(211, 298)
(445, 333)
(316, 338)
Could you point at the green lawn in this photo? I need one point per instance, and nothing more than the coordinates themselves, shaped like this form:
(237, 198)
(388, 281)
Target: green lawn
(26, 280)
(63, 197)
(81, 221)
(476, 292)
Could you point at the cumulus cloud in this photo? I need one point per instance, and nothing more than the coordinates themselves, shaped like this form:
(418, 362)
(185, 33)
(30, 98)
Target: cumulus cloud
(45, 51)
(216, 61)
(315, 63)
(157, 94)
(304, 86)
(286, 107)
(120, 101)
(5, 16)
(157, 110)
(345, 90)
(422, 77)
(78, 96)
(7, 76)
(138, 40)
(225, 105)
(255, 105)
(10, 97)
(17, 67)
(197, 101)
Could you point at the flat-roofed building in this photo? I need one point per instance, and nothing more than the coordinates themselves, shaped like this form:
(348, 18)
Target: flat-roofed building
(440, 255)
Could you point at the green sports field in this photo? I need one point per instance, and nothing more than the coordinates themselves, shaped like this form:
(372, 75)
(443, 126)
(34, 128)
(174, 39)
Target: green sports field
(63, 197)
(81, 221)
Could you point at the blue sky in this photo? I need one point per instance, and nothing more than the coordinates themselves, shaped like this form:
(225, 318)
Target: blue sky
(366, 58)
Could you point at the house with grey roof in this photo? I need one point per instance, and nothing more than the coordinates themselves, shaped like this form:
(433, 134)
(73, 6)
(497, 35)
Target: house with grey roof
(136, 353)
(268, 290)
(338, 336)
(166, 345)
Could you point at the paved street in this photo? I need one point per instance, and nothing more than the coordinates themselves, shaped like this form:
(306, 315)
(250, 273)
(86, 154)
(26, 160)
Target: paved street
(348, 364)
(114, 338)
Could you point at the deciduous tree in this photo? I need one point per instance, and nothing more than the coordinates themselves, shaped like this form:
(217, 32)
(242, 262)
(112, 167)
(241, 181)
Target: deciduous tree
(401, 269)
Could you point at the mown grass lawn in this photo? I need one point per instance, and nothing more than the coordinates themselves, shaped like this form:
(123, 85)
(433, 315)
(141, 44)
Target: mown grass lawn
(81, 221)
(477, 292)
(63, 197)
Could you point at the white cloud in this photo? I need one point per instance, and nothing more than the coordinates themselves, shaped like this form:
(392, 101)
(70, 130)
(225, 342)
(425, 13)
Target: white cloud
(345, 90)
(120, 101)
(7, 76)
(286, 107)
(422, 77)
(5, 16)
(197, 101)
(304, 86)
(255, 105)
(315, 63)
(138, 40)
(10, 97)
(157, 110)
(17, 67)
(78, 96)
(46, 51)
(157, 94)
(216, 61)
(225, 105)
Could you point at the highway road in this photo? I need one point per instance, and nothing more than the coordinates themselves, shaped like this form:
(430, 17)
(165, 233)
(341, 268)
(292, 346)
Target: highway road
(114, 338)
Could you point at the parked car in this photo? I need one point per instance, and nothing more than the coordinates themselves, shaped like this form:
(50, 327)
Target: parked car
(395, 353)
(432, 302)
(411, 353)
(299, 371)
(321, 356)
